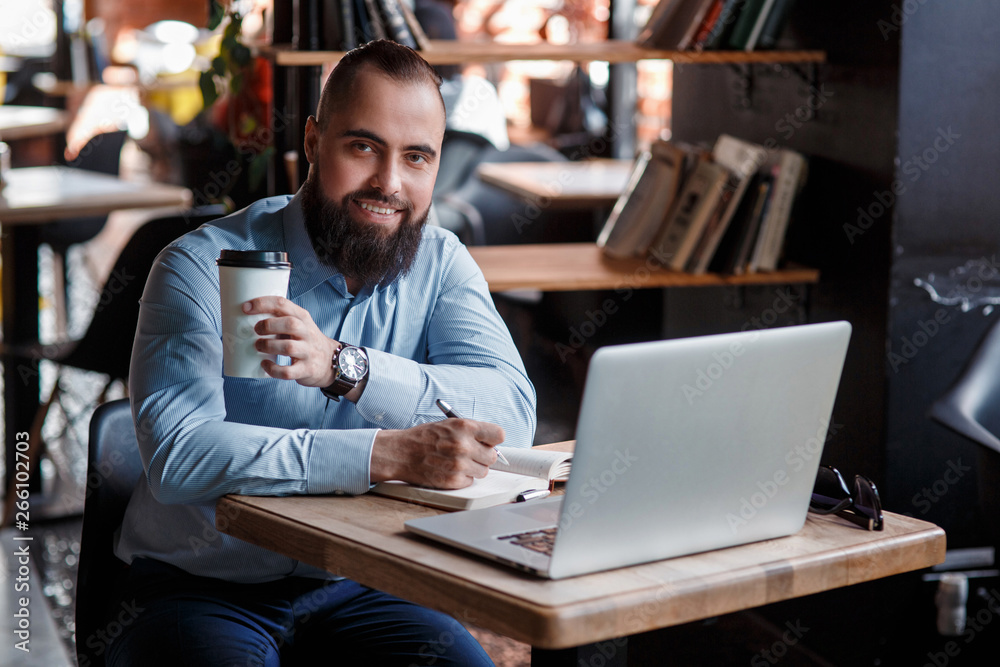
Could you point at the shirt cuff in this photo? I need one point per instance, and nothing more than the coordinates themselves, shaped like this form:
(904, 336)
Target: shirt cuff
(340, 460)
(392, 391)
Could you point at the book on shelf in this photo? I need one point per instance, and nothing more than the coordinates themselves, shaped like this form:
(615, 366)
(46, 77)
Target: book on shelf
(348, 26)
(695, 210)
(662, 12)
(734, 249)
(363, 30)
(529, 470)
(419, 36)
(699, 253)
(347, 23)
(691, 212)
(696, 20)
(307, 25)
(749, 24)
(707, 24)
(642, 206)
(625, 215)
(332, 19)
(674, 26)
(375, 20)
(719, 34)
(743, 160)
(395, 23)
(775, 24)
(788, 170)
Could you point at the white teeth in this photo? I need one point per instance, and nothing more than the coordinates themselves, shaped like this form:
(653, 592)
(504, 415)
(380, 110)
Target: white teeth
(376, 209)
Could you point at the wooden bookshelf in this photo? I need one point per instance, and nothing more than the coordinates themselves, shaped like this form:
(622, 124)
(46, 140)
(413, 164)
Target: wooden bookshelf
(579, 266)
(613, 51)
(563, 267)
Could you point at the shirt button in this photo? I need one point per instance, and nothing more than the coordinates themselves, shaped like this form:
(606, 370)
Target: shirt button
(379, 416)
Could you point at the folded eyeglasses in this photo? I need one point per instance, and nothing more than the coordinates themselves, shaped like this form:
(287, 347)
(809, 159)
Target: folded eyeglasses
(831, 495)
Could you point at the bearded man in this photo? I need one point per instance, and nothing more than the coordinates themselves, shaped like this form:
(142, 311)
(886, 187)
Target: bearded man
(369, 280)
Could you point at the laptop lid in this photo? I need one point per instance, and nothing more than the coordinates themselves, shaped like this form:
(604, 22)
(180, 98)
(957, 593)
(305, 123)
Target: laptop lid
(683, 446)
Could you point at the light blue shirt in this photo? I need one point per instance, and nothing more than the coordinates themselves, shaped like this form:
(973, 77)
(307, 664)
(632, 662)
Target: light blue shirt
(431, 334)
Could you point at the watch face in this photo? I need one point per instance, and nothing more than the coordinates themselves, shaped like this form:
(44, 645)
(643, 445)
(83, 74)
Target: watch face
(353, 363)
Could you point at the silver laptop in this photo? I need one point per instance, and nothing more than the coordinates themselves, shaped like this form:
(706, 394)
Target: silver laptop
(682, 446)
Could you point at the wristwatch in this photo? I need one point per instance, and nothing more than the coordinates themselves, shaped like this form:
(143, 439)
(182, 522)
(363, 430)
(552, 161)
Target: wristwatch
(350, 367)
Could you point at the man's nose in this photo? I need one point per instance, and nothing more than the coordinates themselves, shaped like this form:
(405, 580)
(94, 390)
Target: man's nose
(387, 177)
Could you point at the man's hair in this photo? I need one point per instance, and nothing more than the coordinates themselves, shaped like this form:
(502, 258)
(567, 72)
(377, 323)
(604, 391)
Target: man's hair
(394, 60)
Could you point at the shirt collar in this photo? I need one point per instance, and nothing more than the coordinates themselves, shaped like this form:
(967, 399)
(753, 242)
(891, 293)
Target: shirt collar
(307, 270)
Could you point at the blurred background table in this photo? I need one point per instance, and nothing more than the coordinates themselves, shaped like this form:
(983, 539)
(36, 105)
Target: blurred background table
(17, 122)
(584, 184)
(31, 197)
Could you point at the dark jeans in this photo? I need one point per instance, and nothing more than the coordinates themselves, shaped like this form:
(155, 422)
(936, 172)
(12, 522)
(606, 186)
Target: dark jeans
(180, 619)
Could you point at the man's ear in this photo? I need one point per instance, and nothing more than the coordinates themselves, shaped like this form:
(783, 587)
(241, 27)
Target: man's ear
(311, 143)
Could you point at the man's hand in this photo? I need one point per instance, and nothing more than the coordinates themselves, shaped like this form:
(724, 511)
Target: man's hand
(297, 336)
(446, 454)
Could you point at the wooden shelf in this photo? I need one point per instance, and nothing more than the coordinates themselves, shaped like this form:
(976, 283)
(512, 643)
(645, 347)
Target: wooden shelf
(614, 51)
(562, 267)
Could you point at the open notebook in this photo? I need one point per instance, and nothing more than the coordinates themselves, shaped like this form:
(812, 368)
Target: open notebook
(529, 470)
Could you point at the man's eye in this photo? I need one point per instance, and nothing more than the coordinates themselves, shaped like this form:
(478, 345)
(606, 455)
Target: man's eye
(364, 148)
(418, 159)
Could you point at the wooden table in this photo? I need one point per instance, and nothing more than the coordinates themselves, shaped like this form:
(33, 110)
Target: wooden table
(31, 197)
(17, 122)
(363, 538)
(584, 184)
(583, 266)
(43, 194)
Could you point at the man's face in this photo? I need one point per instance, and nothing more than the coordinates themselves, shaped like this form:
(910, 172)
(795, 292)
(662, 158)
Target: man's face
(372, 172)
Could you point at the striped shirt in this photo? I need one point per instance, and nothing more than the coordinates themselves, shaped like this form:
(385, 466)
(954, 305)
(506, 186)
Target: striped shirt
(433, 333)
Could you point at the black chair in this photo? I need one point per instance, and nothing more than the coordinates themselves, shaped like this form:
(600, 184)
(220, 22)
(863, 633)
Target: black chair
(460, 153)
(20, 89)
(106, 346)
(483, 214)
(971, 407)
(113, 467)
(103, 155)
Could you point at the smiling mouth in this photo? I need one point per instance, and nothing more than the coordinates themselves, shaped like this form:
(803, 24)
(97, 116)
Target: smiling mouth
(376, 209)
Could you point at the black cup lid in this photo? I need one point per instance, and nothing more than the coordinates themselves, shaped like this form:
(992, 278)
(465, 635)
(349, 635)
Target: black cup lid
(254, 259)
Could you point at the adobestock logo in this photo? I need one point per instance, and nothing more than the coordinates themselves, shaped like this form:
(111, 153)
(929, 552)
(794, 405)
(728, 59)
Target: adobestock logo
(790, 637)
(99, 642)
(795, 459)
(927, 496)
(913, 168)
(597, 486)
(705, 378)
(911, 345)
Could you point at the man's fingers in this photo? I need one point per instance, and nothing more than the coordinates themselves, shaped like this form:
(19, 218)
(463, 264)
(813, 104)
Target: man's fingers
(489, 434)
(286, 347)
(291, 326)
(474, 441)
(273, 305)
(265, 304)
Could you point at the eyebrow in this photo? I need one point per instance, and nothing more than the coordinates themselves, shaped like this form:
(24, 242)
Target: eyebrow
(371, 136)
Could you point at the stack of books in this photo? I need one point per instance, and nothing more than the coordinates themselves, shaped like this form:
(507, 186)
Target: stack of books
(341, 25)
(697, 25)
(724, 210)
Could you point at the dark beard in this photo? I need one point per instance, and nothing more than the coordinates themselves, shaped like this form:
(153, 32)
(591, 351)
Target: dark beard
(360, 250)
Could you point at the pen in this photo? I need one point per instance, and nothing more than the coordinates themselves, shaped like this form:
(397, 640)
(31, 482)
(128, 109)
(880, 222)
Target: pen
(531, 495)
(450, 413)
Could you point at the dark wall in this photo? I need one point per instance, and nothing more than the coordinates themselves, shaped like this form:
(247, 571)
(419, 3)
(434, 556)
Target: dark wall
(851, 145)
(945, 242)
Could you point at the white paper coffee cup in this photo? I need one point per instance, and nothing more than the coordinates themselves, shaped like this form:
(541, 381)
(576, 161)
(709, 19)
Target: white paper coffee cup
(245, 275)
